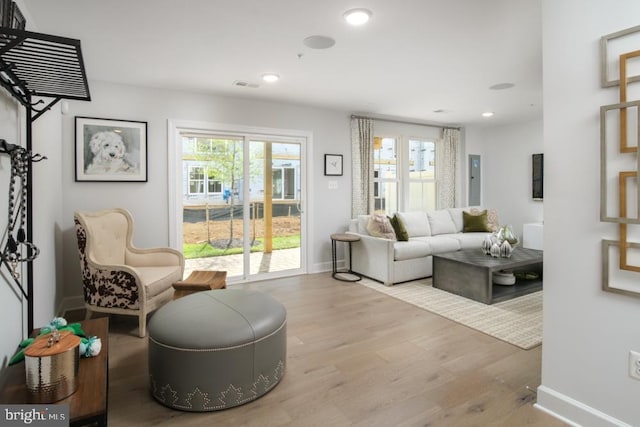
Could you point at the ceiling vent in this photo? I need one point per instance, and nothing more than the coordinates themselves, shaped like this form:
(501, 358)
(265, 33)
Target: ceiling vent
(242, 83)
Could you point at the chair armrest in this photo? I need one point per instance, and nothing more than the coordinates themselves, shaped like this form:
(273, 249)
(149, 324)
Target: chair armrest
(153, 257)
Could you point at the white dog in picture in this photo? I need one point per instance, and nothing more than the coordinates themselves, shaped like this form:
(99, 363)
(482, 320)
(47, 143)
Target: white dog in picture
(108, 154)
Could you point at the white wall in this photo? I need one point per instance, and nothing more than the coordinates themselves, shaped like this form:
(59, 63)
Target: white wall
(11, 307)
(46, 223)
(329, 209)
(505, 153)
(46, 214)
(587, 332)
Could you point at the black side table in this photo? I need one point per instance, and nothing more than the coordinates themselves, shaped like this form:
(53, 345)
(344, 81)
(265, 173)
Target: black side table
(349, 275)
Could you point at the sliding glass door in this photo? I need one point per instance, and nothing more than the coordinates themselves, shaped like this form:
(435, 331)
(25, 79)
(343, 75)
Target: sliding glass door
(275, 194)
(242, 198)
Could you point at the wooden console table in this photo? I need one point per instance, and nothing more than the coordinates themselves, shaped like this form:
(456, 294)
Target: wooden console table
(88, 404)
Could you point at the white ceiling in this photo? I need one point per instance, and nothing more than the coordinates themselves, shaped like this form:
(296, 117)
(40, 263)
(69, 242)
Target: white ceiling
(413, 57)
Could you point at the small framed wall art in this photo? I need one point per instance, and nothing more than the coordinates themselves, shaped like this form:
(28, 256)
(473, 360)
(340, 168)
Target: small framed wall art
(111, 150)
(333, 164)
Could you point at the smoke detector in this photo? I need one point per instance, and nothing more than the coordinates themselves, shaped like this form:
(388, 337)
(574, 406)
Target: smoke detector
(243, 83)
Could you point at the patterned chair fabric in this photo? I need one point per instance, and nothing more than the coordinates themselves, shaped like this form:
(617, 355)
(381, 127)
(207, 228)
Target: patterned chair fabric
(118, 277)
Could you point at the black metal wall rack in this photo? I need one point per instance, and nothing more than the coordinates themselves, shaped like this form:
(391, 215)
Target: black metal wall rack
(39, 65)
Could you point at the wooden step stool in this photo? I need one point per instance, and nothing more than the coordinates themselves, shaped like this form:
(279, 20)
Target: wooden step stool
(200, 280)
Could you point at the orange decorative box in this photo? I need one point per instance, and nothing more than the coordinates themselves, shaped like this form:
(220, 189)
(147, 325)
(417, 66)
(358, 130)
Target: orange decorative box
(51, 365)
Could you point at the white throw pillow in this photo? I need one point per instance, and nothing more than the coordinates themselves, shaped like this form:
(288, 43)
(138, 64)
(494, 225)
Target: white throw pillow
(416, 223)
(440, 222)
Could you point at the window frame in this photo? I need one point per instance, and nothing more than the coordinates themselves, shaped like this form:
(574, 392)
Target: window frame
(403, 178)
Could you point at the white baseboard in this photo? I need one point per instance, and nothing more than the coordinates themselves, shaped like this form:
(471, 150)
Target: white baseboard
(573, 412)
(77, 302)
(70, 303)
(323, 267)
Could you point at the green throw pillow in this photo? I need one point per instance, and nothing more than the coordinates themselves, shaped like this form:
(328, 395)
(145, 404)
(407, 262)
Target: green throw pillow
(398, 227)
(471, 222)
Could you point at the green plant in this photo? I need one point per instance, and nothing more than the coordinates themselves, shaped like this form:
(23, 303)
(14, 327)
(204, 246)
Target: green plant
(205, 250)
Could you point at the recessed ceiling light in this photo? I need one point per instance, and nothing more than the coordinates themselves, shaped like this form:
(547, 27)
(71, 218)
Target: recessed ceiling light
(487, 114)
(357, 16)
(501, 86)
(270, 77)
(319, 42)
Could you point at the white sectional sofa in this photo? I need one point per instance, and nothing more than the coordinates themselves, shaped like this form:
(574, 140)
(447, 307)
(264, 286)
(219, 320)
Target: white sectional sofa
(391, 261)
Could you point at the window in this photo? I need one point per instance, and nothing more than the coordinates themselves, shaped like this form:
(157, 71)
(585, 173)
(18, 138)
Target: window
(277, 183)
(196, 180)
(200, 178)
(214, 186)
(289, 185)
(422, 179)
(208, 161)
(404, 174)
(284, 182)
(385, 176)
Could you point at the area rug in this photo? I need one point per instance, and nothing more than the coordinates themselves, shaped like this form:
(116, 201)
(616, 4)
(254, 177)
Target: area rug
(517, 321)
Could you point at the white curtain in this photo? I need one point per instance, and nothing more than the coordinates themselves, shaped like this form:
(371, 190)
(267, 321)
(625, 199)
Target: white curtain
(446, 167)
(362, 166)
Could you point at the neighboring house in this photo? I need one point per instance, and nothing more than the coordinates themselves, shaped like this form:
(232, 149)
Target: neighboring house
(209, 171)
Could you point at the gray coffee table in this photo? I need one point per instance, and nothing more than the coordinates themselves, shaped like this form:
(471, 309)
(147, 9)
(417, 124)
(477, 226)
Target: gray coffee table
(469, 273)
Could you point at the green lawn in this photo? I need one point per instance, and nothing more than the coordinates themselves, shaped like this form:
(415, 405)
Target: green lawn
(204, 250)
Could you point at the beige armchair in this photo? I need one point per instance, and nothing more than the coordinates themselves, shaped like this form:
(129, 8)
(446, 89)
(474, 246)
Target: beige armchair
(117, 277)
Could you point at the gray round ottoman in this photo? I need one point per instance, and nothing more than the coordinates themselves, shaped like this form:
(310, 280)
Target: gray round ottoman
(216, 349)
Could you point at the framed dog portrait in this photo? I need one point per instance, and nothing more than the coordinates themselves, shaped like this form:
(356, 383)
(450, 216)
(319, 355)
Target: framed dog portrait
(111, 150)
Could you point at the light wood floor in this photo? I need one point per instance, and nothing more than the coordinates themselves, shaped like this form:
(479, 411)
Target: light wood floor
(355, 358)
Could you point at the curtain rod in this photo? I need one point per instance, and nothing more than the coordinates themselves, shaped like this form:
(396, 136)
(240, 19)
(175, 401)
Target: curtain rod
(355, 116)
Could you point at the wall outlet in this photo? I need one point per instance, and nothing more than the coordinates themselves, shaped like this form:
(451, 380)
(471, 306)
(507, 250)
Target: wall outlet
(634, 365)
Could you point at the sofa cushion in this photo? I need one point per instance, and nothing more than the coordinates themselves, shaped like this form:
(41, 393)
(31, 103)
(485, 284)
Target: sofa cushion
(475, 221)
(416, 223)
(440, 222)
(411, 250)
(400, 230)
(158, 279)
(363, 221)
(456, 217)
(468, 240)
(442, 243)
(380, 226)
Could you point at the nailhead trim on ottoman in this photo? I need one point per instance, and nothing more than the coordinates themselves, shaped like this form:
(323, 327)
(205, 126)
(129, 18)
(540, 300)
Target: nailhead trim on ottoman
(217, 349)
